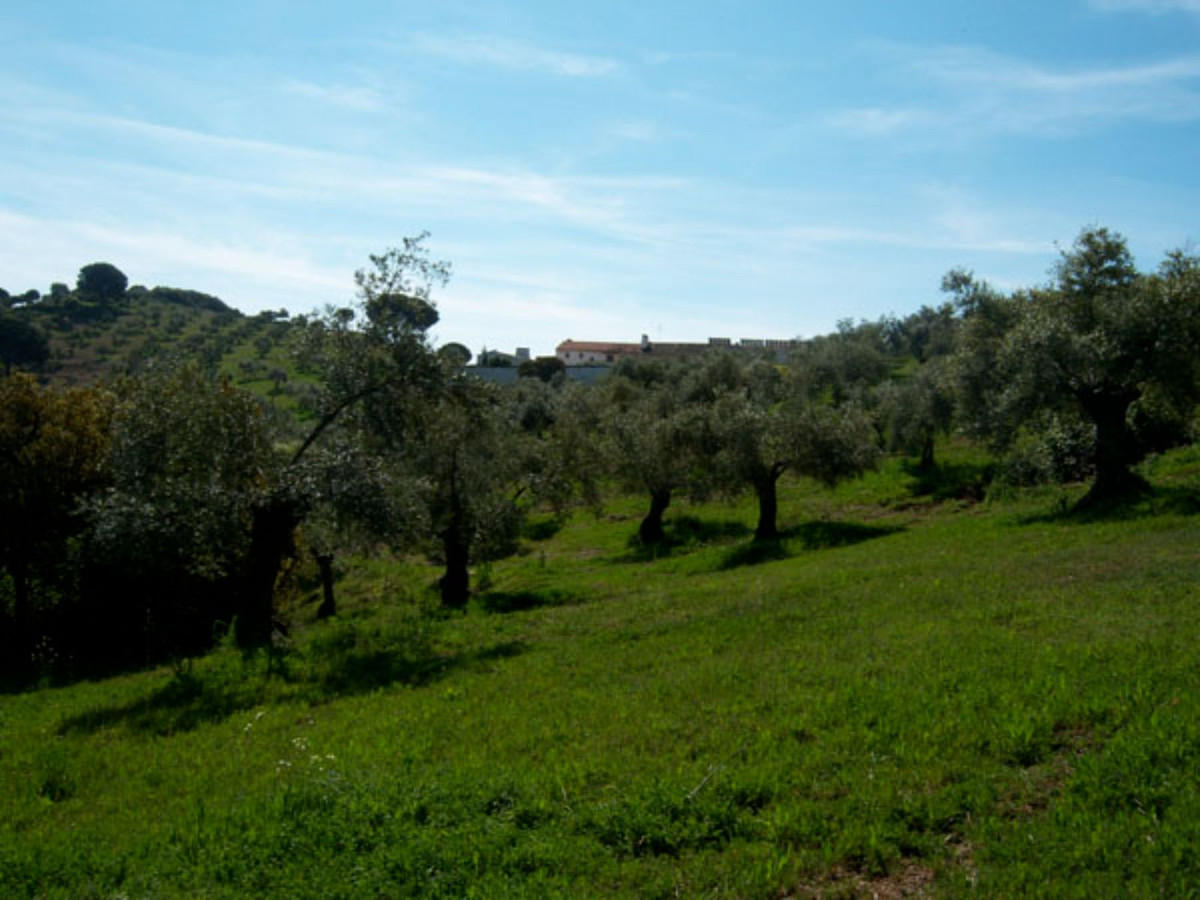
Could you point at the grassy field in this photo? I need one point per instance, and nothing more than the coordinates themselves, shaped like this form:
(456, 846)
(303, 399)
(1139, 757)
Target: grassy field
(912, 694)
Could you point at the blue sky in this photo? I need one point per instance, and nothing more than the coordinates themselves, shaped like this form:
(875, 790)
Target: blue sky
(594, 170)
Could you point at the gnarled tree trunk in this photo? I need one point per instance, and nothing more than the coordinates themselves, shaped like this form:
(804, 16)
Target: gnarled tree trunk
(766, 488)
(1114, 478)
(927, 463)
(651, 530)
(271, 535)
(455, 584)
(328, 605)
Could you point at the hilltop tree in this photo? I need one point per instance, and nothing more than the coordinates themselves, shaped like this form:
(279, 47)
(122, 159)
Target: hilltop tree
(102, 282)
(455, 354)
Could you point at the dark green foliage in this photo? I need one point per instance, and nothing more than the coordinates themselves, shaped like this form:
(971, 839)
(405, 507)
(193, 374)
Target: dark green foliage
(762, 426)
(915, 412)
(52, 455)
(395, 290)
(1099, 340)
(544, 368)
(455, 354)
(22, 345)
(843, 367)
(101, 282)
(466, 454)
(1104, 349)
(189, 299)
(653, 438)
(190, 459)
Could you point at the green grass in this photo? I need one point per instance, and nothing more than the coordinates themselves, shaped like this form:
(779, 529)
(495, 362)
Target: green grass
(910, 691)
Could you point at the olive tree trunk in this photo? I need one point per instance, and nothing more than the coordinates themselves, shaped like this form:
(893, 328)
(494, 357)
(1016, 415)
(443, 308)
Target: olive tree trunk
(328, 605)
(271, 540)
(651, 530)
(766, 489)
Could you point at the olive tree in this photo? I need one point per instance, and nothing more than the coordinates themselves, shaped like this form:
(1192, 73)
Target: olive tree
(768, 427)
(1097, 341)
(189, 459)
(466, 457)
(375, 364)
(914, 411)
(652, 436)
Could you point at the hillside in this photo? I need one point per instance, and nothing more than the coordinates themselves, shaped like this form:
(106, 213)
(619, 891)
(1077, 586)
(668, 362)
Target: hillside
(90, 340)
(906, 696)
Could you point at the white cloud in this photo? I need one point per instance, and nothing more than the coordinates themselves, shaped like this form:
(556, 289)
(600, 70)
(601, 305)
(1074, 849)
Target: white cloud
(515, 56)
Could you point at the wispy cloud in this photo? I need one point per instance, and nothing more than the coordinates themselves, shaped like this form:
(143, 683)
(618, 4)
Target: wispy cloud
(878, 122)
(355, 99)
(973, 92)
(234, 268)
(514, 56)
(970, 66)
(1150, 6)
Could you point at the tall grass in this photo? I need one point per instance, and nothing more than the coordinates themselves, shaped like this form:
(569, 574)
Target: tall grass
(910, 691)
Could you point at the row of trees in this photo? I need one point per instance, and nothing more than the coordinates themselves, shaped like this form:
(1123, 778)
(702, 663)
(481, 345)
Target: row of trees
(138, 515)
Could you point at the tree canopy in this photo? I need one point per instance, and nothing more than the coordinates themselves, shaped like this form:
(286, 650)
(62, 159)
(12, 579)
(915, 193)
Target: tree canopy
(101, 281)
(22, 345)
(1098, 340)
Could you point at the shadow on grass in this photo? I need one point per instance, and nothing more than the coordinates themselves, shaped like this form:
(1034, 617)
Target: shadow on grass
(824, 535)
(542, 530)
(818, 535)
(186, 702)
(1180, 501)
(684, 533)
(519, 601)
(1144, 502)
(336, 668)
(951, 481)
(753, 554)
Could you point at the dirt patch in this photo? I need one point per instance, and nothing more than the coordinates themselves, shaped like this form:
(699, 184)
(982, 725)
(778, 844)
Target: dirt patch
(1039, 785)
(910, 879)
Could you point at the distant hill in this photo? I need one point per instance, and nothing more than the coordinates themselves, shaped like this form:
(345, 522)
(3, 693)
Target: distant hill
(93, 337)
